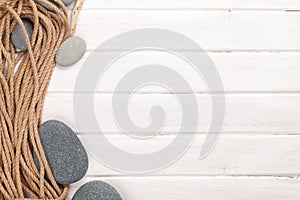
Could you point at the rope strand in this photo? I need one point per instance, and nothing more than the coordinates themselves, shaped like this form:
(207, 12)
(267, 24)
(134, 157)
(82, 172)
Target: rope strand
(24, 79)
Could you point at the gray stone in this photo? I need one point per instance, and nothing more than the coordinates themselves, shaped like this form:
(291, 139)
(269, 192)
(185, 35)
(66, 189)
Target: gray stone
(66, 2)
(96, 190)
(66, 155)
(17, 35)
(43, 4)
(70, 51)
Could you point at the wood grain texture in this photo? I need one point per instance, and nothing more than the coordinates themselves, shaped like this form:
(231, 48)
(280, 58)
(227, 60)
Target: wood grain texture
(213, 31)
(234, 155)
(246, 113)
(255, 48)
(240, 72)
(195, 188)
(192, 4)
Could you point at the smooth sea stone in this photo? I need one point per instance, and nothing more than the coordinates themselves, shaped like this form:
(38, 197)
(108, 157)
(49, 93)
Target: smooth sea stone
(17, 35)
(65, 154)
(70, 51)
(44, 5)
(66, 2)
(96, 190)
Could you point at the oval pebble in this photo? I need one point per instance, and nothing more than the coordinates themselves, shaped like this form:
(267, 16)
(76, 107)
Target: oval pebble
(66, 2)
(17, 35)
(44, 5)
(70, 51)
(96, 190)
(66, 155)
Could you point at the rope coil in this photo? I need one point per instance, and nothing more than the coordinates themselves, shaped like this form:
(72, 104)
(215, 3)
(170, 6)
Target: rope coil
(24, 79)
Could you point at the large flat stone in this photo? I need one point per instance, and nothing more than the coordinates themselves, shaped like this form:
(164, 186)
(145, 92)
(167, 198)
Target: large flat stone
(66, 155)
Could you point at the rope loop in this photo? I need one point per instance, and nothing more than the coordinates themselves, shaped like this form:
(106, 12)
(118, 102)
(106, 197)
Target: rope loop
(24, 79)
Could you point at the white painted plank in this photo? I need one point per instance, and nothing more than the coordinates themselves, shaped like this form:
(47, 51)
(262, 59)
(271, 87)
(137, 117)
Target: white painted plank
(195, 188)
(252, 113)
(240, 72)
(233, 155)
(218, 30)
(192, 4)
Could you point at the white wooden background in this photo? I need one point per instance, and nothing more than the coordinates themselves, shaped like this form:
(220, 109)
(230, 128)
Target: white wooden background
(255, 45)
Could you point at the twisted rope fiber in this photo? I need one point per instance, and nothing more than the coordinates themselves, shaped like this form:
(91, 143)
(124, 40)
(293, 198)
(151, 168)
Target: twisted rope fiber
(24, 79)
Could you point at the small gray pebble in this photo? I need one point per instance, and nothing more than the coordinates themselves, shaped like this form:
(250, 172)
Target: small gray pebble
(70, 51)
(43, 4)
(17, 35)
(67, 2)
(96, 190)
(66, 155)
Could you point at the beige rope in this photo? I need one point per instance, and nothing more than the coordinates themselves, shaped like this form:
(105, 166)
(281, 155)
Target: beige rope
(24, 78)
(75, 13)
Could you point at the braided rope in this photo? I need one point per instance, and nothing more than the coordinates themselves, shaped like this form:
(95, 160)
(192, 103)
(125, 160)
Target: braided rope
(24, 79)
